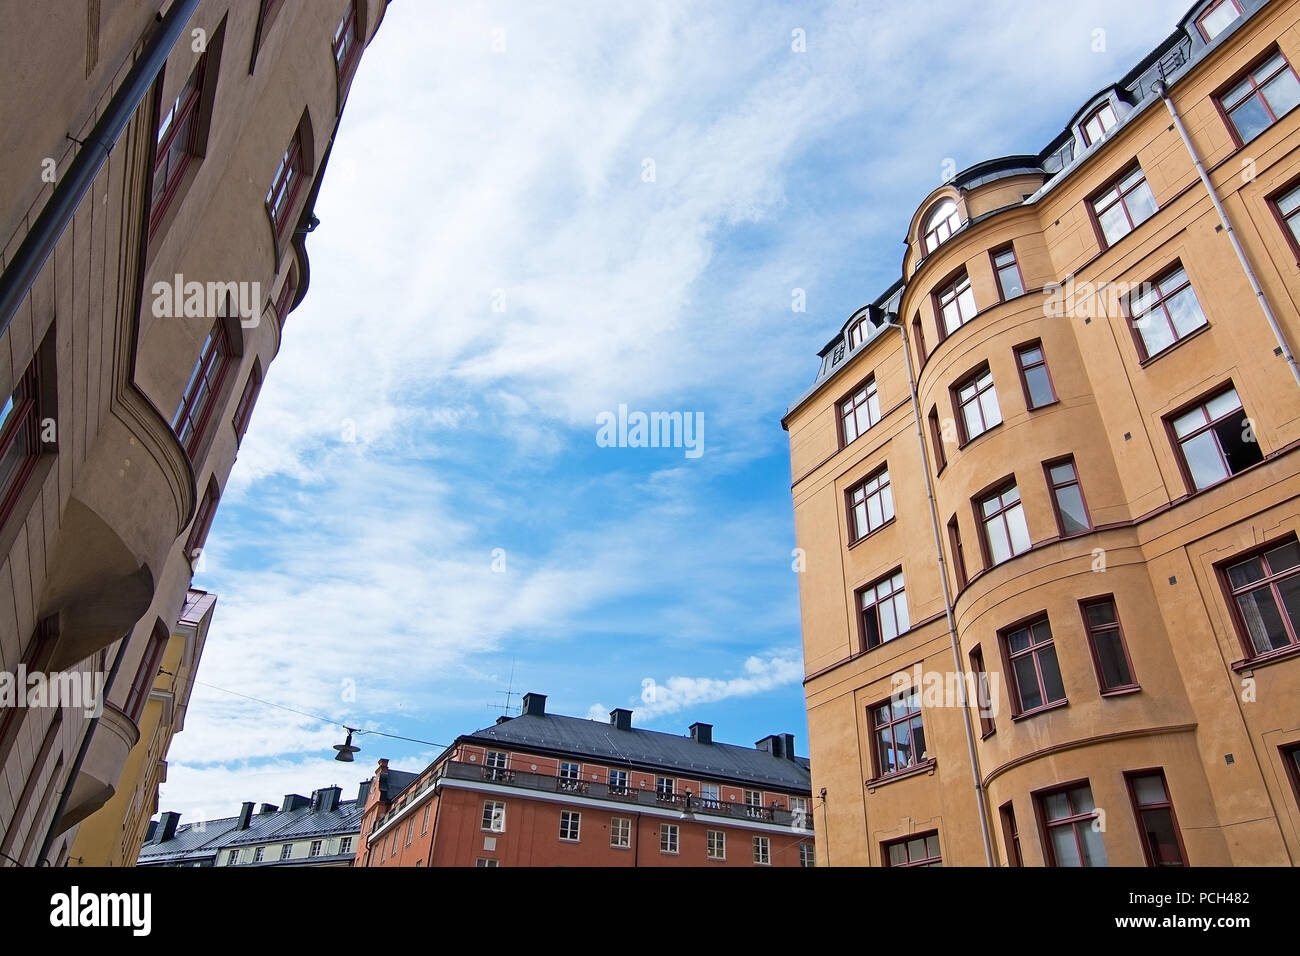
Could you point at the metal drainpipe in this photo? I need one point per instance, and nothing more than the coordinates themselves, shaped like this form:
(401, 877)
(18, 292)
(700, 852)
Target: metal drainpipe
(44, 235)
(1162, 91)
(947, 596)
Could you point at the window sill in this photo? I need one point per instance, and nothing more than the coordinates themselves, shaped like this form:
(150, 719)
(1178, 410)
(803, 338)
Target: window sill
(1143, 363)
(1025, 715)
(1122, 691)
(715, 859)
(1263, 660)
(924, 767)
(1038, 408)
(962, 446)
(878, 528)
(987, 734)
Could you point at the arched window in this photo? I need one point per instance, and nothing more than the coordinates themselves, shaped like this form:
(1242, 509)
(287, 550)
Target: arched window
(940, 224)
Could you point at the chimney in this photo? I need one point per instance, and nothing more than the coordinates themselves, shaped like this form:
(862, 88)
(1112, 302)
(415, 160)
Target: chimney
(620, 718)
(245, 815)
(326, 800)
(293, 801)
(534, 705)
(787, 745)
(268, 808)
(167, 824)
(149, 833)
(363, 792)
(770, 744)
(702, 733)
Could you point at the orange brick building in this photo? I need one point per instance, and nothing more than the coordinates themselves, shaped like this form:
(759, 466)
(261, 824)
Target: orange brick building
(548, 790)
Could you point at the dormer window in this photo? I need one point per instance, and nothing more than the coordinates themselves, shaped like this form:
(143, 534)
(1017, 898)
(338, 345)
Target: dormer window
(1098, 123)
(858, 332)
(941, 224)
(1217, 18)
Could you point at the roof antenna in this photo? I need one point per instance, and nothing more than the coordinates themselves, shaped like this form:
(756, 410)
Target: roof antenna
(508, 706)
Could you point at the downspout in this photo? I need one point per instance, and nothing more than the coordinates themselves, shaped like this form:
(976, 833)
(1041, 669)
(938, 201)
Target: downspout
(947, 596)
(27, 263)
(1162, 91)
(53, 832)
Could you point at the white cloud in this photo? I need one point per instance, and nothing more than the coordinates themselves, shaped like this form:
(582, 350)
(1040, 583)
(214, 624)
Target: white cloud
(759, 675)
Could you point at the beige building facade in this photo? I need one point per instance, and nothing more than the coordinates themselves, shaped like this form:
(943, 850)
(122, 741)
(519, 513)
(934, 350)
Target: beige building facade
(161, 163)
(1088, 515)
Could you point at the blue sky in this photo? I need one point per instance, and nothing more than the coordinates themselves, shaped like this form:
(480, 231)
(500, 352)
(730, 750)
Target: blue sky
(409, 429)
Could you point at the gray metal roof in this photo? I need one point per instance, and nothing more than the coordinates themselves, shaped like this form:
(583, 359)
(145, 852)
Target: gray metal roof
(651, 749)
(192, 839)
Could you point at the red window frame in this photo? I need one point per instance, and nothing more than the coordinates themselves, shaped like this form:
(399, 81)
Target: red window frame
(875, 485)
(955, 292)
(1074, 819)
(936, 436)
(287, 291)
(1115, 192)
(1254, 89)
(1056, 485)
(1010, 834)
(1004, 267)
(975, 400)
(933, 852)
(987, 727)
(20, 437)
(1026, 364)
(938, 231)
(1166, 286)
(866, 395)
(181, 121)
(286, 184)
(247, 399)
(1102, 128)
(1209, 424)
(1200, 21)
(347, 41)
(1098, 630)
(984, 519)
(958, 552)
(1288, 221)
(147, 672)
(1270, 579)
(918, 332)
(202, 523)
(897, 588)
(1141, 809)
(884, 720)
(1037, 646)
(203, 390)
(1291, 760)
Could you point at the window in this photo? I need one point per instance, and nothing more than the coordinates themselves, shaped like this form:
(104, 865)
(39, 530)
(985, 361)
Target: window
(1214, 441)
(762, 851)
(799, 805)
(1035, 675)
(148, 672)
(857, 333)
(1068, 818)
(494, 817)
(315, 848)
(1005, 532)
(486, 863)
(1291, 758)
(233, 858)
(716, 844)
(346, 42)
(1266, 93)
(955, 304)
(1265, 593)
(940, 224)
(1067, 497)
(807, 855)
(664, 788)
(898, 734)
(410, 830)
(1097, 124)
(1010, 834)
(1007, 270)
(1164, 312)
(345, 845)
(1161, 842)
(203, 516)
(20, 434)
(1123, 206)
(668, 837)
(284, 301)
(859, 411)
(570, 825)
(247, 399)
(753, 803)
(1109, 653)
(424, 824)
(709, 794)
(1217, 18)
(936, 437)
(570, 776)
(285, 184)
(203, 389)
(871, 505)
(884, 610)
(920, 850)
(983, 700)
(918, 336)
(495, 764)
(977, 404)
(1034, 377)
(286, 851)
(392, 845)
(1287, 208)
(620, 832)
(618, 781)
(958, 554)
(258, 854)
(175, 147)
